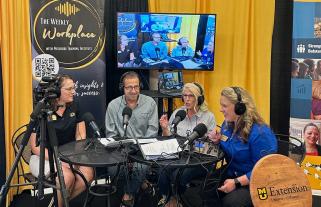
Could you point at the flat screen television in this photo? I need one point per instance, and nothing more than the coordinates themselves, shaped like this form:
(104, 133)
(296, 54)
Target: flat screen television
(166, 41)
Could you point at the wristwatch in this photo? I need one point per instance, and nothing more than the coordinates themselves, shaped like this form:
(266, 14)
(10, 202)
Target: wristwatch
(237, 183)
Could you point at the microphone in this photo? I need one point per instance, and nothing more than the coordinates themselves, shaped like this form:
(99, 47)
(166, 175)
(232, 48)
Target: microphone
(157, 50)
(127, 113)
(179, 116)
(198, 131)
(89, 118)
(183, 50)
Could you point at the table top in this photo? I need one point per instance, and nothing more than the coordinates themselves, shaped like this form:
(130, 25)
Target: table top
(96, 155)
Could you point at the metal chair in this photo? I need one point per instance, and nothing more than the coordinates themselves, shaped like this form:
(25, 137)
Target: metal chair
(16, 141)
(291, 147)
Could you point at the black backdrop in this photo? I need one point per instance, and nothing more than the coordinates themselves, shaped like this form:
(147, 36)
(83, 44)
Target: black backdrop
(281, 66)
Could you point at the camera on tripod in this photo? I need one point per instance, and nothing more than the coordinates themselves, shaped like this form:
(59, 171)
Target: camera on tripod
(48, 88)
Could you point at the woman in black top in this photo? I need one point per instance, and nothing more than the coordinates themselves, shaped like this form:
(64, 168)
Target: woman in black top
(68, 126)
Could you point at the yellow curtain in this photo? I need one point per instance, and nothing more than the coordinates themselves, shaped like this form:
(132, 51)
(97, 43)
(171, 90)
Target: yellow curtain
(16, 71)
(242, 51)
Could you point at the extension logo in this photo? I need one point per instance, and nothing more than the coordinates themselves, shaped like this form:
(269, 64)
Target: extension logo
(262, 192)
(72, 31)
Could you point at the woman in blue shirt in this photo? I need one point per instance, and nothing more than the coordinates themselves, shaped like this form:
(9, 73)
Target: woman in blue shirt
(245, 138)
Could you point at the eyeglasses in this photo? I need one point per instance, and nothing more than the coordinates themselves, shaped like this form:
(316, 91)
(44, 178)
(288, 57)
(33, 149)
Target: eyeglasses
(73, 88)
(188, 96)
(130, 88)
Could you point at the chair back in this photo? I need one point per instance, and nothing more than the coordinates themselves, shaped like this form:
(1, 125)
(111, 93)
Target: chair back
(16, 142)
(291, 147)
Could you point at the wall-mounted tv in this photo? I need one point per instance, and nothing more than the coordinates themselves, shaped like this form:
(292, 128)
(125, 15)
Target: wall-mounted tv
(166, 41)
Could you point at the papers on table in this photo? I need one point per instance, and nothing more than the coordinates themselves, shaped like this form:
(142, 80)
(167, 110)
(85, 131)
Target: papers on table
(165, 149)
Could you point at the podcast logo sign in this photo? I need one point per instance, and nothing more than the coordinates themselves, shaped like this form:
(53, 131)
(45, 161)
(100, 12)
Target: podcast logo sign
(72, 31)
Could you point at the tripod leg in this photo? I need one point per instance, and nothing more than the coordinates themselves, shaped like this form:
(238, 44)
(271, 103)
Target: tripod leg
(54, 143)
(52, 176)
(6, 185)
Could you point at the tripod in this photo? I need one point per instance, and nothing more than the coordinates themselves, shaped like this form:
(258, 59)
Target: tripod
(41, 115)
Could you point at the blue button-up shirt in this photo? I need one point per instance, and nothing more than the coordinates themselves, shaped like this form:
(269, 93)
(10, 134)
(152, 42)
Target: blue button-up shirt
(243, 156)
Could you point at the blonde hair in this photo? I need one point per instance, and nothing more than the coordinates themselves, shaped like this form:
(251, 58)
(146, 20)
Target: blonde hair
(197, 91)
(244, 123)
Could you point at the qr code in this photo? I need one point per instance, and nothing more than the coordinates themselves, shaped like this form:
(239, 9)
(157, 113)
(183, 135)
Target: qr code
(44, 67)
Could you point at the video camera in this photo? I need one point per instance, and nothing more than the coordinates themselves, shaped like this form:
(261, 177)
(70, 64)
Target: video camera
(48, 88)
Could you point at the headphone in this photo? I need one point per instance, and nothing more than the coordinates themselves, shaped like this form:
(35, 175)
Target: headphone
(123, 77)
(239, 107)
(201, 98)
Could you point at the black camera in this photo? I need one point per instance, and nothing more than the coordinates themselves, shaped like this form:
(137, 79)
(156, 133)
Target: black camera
(48, 88)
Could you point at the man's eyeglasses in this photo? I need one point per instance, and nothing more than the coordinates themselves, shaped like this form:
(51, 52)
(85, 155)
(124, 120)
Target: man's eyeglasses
(130, 88)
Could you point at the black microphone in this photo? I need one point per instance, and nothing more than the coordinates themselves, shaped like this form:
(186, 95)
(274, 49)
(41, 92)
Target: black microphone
(183, 50)
(89, 118)
(127, 113)
(179, 116)
(157, 50)
(198, 131)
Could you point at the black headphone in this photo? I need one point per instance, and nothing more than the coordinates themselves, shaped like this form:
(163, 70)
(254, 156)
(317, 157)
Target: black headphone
(129, 73)
(201, 98)
(239, 107)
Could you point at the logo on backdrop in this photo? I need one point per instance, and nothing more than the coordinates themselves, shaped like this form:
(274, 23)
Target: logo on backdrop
(72, 31)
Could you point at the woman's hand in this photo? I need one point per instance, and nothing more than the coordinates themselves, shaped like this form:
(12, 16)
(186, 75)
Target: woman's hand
(163, 121)
(214, 136)
(228, 186)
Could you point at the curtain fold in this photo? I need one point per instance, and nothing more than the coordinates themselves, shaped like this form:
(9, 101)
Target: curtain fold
(16, 71)
(242, 51)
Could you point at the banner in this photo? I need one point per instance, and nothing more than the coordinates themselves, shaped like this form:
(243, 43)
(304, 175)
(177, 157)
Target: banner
(305, 113)
(68, 37)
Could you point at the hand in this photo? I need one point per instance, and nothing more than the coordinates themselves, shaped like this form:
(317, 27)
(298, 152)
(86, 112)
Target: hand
(120, 65)
(214, 136)
(163, 121)
(228, 186)
(199, 53)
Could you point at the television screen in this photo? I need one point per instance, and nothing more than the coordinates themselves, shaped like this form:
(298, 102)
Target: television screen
(165, 41)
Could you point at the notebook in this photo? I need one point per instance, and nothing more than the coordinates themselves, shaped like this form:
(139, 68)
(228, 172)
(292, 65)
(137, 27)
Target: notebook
(160, 150)
(171, 83)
